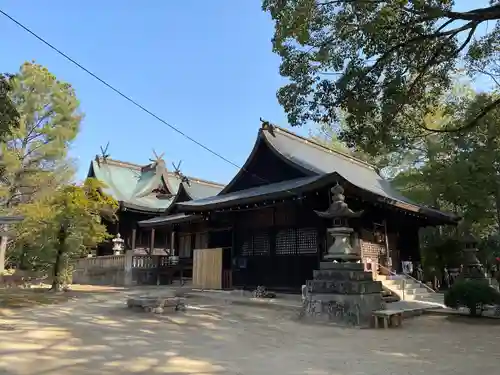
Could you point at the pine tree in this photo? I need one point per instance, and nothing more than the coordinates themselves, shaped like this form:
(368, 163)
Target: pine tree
(34, 153)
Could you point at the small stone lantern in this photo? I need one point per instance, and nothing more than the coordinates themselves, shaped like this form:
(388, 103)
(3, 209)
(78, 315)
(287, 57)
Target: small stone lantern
(118, 245)
(341, 249)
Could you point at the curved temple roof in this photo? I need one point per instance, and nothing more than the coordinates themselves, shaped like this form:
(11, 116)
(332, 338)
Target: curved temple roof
(313, 159)
(137, 187)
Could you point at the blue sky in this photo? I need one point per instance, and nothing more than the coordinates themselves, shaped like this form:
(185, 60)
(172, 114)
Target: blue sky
(206, 67)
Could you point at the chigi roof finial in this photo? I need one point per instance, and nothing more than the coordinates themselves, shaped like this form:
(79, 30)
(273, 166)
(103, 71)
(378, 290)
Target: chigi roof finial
(178, 173)
(156, 157)
(104, 154)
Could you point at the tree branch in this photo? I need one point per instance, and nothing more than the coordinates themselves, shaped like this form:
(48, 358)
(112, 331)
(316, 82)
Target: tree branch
(473, 122)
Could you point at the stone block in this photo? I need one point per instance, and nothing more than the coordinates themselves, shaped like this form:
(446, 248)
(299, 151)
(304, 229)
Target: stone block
(343, 286)
(341, 309)
(158, 305)
(341, 266)
(343, 294)
(342, 275)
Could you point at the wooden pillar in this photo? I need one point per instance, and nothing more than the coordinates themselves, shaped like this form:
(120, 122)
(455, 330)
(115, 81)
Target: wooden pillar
(388, 256)
(134, 235)
(172, 242)
(152, 243)
(129, 262)
(166, 246)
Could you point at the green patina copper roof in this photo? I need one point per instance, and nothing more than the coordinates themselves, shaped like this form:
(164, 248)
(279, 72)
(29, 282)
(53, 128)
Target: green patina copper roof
(148, 188)
(135, 186)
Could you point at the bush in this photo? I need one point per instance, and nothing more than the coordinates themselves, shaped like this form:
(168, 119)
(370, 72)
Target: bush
(473, 294)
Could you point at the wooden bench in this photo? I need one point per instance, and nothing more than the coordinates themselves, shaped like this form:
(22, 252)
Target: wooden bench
(389, 318)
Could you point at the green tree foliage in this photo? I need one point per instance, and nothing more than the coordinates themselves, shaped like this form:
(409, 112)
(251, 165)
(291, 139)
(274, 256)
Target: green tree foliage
(34, 154)
(328, 136)
(473, 294)
(457, 172)
(386, 63)
(64, 226)
(8, 112)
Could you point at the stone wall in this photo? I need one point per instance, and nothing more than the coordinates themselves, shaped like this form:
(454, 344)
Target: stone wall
(105, 270)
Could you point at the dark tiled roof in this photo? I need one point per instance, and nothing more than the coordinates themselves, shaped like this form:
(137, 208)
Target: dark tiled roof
(317, 161)
(169, 219)
(289, 187)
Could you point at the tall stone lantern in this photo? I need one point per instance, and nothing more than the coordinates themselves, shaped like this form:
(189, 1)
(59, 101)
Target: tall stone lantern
(472, 267)
(341, 291)
(341, 249)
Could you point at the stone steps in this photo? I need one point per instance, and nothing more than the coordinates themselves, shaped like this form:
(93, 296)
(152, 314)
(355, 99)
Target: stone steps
(410, 290)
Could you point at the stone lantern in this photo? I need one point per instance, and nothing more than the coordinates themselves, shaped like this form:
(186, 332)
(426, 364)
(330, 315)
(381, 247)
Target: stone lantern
(118, 245)
(472, 267)
(341, 292)
(339, 213)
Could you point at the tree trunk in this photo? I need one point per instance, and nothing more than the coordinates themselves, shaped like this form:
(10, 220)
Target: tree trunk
(497, 207)
(61, 243)
(3, 251)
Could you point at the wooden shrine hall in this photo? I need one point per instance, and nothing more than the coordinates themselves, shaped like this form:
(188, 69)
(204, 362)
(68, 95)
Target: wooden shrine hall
(144, 192)
(261, 229)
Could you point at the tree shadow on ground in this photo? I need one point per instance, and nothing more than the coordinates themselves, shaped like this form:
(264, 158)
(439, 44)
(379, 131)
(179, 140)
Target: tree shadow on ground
(100, 335)
(13, 298)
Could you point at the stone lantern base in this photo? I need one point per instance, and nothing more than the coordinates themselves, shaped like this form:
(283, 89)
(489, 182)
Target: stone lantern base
(341, 248)
(343, 294)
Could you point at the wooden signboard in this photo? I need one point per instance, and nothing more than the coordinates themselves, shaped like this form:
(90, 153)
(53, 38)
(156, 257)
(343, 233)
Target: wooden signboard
(207, 268)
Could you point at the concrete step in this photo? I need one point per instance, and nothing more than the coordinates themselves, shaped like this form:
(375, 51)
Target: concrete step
(408, 287)
(401, 283)
(416, 291)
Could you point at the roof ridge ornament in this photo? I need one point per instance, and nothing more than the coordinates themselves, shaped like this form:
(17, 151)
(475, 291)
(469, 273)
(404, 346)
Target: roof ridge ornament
(156, 157)
(266, 125)
(104, 155)
(179, 174)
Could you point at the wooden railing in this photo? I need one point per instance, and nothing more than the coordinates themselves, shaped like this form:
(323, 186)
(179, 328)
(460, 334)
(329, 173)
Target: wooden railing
(138, 261)
(157, 261)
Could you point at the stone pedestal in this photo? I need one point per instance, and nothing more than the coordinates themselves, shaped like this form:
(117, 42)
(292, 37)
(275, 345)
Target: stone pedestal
(342, 293)
(341, 248)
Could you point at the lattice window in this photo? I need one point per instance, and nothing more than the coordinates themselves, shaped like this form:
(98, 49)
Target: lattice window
(286, 243)
(261, 245)
(307, 241)
(247, 246)
(256, 244)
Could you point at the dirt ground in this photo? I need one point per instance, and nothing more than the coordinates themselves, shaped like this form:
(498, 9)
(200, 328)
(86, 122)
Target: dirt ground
(99, 335)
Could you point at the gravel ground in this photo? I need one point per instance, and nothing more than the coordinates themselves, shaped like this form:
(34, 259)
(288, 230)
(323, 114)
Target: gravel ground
(101, 336)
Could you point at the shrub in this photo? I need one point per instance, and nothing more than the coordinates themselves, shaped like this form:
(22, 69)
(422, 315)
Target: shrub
(473, 294)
